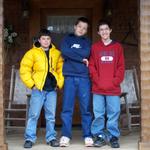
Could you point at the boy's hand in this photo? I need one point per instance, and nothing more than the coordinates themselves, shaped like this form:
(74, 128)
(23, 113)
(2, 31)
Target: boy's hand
(56, 88)
(86, 62)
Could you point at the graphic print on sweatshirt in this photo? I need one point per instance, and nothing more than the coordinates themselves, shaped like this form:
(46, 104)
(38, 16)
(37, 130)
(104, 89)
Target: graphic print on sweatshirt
(107, 56)
(76, 45)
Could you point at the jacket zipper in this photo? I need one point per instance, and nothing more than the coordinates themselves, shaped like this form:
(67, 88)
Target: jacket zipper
(51, 63)
(45, 69)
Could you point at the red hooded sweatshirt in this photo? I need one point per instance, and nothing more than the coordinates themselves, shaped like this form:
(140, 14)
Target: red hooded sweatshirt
(106, 67)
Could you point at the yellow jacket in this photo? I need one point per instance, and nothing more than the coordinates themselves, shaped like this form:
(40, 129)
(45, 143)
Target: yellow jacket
(34, 67)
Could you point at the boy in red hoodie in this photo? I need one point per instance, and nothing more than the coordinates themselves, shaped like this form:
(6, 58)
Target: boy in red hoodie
(106, 67)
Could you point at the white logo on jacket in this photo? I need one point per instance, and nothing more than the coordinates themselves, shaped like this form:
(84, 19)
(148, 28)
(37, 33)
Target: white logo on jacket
(76, 46)
(106, 58)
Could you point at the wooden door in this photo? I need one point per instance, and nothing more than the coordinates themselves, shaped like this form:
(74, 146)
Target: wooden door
(59, 28)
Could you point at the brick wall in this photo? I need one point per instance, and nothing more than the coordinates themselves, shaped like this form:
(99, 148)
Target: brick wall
(145, 74)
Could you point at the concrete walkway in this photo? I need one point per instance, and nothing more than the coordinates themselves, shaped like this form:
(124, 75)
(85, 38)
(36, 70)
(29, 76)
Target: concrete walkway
(15, 142)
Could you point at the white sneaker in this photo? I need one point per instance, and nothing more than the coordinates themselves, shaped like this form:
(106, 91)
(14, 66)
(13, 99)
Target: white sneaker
(88, 142)
(64, 141)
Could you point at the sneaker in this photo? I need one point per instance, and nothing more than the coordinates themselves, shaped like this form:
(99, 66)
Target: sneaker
(114, 142)
(53, 143)
(99, 142)
(64, 141)
(28, 144)
(88, 142)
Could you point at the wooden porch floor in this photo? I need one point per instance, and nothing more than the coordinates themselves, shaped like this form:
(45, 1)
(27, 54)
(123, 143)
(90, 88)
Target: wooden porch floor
(15, 141)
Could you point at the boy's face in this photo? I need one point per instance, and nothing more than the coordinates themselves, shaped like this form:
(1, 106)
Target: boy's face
(104, 32)
(45, 41)
(81, 28)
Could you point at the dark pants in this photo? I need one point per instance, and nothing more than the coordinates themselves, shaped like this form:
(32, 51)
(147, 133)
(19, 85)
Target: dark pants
(81, 87)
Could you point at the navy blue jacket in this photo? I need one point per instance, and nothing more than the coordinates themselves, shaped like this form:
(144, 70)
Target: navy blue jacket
(74, 49)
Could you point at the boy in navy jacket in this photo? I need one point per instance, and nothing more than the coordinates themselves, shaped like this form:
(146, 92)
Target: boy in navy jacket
(75, 50)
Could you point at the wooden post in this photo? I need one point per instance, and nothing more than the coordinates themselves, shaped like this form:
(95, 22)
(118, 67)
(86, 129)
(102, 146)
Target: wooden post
(3, 146)
(144, 143)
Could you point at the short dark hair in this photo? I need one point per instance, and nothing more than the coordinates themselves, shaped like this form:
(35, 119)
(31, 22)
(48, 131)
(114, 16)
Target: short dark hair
(103, 22)
(44, 32)
(82, 19)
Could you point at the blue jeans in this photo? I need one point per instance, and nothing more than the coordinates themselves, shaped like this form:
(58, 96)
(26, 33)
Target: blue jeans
(81, 87)
(106, 107)
(40, 99)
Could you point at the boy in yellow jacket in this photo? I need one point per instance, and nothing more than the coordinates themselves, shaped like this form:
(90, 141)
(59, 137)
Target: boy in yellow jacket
(41, 71)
